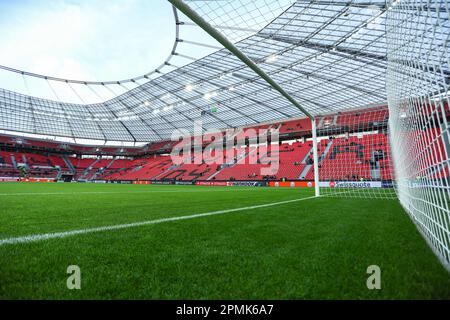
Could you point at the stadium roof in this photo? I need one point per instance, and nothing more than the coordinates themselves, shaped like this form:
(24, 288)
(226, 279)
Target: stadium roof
(329, 55)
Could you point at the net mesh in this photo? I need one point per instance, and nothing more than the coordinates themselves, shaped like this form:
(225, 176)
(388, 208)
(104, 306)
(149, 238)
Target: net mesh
(354, 156)
(411, 45)
(418, 94)
(239, 19)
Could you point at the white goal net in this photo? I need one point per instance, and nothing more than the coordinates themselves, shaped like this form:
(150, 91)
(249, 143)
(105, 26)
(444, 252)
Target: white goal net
(375, 76)
(354, 154)
(418, 79)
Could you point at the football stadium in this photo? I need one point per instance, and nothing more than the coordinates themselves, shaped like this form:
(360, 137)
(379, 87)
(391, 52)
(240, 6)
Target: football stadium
(241, 149)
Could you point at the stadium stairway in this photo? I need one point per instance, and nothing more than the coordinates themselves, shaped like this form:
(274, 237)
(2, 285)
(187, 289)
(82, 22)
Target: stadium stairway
(335, 119)
(327, 150)
(366, 158)
(308, 166)
(13, 161)
(320, 124)
(321, 157)
(166, 171)
(96, 167)
(24, 159)
(292, 159)
(211, 177)
(69, 164)
(89, 169)
(100, 170)
(105, 169)
(305, 171)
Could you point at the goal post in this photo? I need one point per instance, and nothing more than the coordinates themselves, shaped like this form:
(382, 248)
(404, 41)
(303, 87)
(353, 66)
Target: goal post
(213, 32)
(354, 155)
(315, 158)
(183, 7)
(400, 149)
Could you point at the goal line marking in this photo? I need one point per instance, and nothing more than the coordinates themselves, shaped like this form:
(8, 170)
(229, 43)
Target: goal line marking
(55, 235)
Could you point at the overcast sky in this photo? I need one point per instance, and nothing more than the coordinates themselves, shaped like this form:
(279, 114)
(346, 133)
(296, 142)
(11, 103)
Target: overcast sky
(97, 40)
(108, 40)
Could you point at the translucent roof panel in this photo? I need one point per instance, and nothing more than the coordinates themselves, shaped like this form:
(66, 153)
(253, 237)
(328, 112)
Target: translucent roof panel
(328, 55)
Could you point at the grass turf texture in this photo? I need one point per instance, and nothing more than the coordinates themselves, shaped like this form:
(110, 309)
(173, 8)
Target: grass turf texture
(316, 248)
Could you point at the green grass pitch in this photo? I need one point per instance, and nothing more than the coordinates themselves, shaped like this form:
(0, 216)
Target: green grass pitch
(318, 248)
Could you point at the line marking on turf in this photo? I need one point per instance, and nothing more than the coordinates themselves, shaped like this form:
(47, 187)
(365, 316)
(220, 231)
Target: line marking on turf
(127, 192)
(55, 235)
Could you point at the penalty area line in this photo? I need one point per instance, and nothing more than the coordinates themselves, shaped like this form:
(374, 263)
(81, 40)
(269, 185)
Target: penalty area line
(64, 234)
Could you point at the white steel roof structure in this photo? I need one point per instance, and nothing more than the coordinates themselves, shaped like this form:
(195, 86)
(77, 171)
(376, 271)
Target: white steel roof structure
(328, 55)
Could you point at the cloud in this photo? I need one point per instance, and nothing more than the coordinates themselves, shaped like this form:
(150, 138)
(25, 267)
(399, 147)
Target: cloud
(87, 40)
(54, 37)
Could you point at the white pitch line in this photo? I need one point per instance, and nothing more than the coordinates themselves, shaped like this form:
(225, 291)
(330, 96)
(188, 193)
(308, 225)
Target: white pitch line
(46, 236)
(127, 192)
